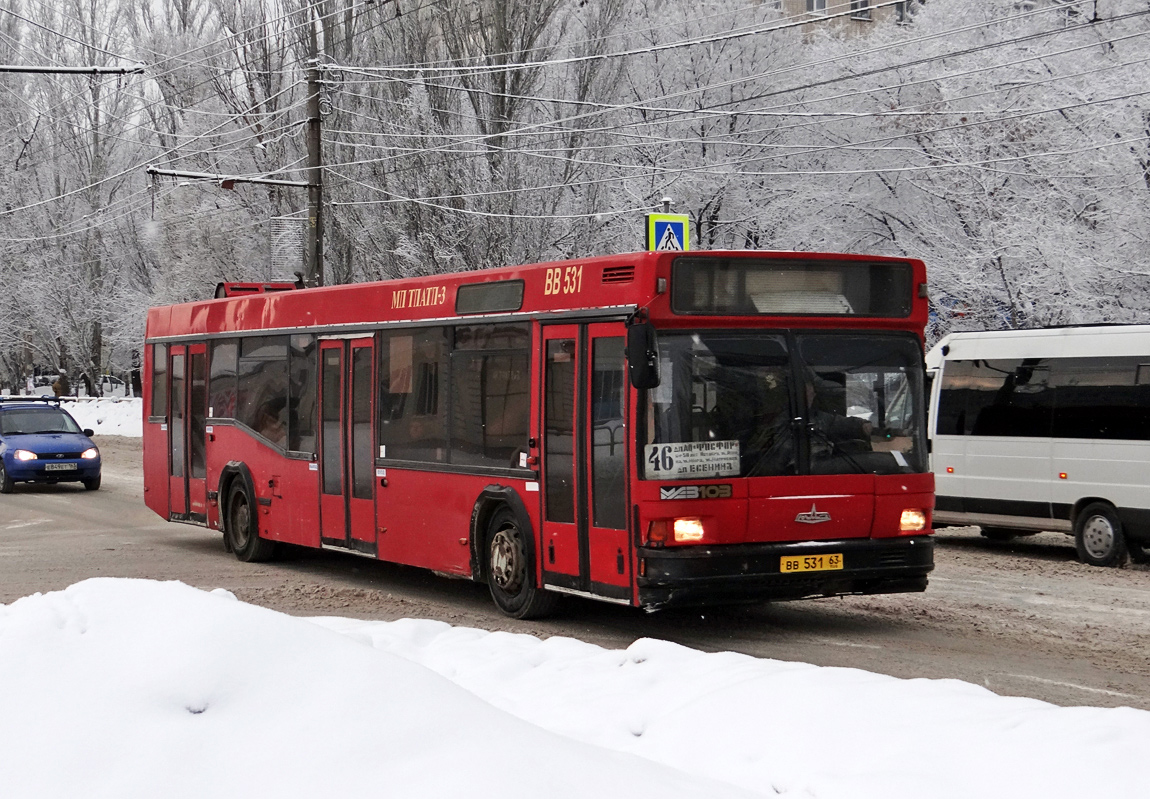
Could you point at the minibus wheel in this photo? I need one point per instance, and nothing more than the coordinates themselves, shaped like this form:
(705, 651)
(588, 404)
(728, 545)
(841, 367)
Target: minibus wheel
(242, 530)
(1098, 536)
(1139, 552)
(510, 570)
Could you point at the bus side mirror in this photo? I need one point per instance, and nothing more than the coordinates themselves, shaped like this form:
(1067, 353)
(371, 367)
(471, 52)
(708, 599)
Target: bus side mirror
(642, 356)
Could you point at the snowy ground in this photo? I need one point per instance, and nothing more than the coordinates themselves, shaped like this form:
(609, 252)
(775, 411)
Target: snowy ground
(132, 688)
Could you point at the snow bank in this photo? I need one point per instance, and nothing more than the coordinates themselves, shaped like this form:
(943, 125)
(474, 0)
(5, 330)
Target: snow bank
(791, 729)
(109, 416)
(134, 689)
(137, 689)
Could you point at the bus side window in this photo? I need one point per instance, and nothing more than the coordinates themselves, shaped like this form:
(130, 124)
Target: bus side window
(159, 380)
(490, 394)
(302, 405)
(413, 401)
(222, 379)
(261, 386)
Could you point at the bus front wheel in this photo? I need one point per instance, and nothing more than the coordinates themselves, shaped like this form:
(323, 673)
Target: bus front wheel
(242, 529)
(1098, 536)
(510, 570)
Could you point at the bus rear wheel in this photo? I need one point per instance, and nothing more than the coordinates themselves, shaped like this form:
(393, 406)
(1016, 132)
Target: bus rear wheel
(510, 570)
(241, 528)
(1098, 536)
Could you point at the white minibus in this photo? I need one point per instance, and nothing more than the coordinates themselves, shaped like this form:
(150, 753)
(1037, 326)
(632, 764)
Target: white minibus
(1045, 429)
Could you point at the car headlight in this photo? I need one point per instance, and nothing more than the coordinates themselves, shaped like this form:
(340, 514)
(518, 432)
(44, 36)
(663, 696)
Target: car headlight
(89, 453)
(24, 455)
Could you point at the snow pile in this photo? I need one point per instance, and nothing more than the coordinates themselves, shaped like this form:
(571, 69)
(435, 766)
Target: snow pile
(109, 416)
(131, 688)
(127, 688)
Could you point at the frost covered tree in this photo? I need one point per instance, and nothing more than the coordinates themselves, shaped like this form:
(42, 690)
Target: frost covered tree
(1002, 143)
(1005, 143)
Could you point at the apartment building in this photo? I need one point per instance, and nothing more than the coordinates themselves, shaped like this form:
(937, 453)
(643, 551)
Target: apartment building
(849, 14)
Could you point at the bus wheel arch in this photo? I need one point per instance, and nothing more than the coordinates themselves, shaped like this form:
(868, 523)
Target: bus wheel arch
(239, 515)
(1098, 535)
(503, 554)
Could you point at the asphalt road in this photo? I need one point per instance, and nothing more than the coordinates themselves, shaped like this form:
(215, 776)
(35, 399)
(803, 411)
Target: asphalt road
(1022, 618)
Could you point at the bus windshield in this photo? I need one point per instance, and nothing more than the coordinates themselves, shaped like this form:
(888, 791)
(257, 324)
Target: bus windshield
(732, 404)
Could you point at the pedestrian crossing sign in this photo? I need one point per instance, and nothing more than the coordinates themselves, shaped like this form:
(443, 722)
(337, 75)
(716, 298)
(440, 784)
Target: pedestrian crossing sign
(668, 232)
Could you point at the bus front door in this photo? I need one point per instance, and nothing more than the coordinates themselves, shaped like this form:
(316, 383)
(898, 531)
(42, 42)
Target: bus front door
(347, 443)
(585, 541)
(187, 419)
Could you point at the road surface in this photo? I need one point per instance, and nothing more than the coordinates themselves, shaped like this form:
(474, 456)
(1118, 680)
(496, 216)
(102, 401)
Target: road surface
(1022, 618)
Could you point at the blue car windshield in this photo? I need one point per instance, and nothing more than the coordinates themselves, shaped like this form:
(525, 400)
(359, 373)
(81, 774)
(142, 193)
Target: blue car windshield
(28, 421)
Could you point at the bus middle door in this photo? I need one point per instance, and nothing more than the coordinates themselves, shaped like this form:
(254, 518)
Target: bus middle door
(347, 443)
(585, 541)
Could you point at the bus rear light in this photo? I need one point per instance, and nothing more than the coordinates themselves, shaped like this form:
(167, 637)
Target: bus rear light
(913, 519)
(688, 530)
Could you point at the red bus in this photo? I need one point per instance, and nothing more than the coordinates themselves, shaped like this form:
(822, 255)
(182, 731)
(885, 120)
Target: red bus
(650, 429)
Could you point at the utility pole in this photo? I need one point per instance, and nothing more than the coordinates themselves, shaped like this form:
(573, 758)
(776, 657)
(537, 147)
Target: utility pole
(313, 274)
(313, 248)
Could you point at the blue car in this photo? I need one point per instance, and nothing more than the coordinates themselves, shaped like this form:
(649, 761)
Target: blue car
(40, 442)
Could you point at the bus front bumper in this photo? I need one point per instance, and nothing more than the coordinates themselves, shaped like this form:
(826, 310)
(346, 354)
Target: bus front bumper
(752, 572)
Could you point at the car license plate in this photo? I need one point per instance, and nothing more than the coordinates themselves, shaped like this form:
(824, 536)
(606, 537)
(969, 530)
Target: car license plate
(810, 563)
(59, 467)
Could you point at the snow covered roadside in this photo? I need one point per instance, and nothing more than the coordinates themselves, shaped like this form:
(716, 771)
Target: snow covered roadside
(133, 688)
(108, 417)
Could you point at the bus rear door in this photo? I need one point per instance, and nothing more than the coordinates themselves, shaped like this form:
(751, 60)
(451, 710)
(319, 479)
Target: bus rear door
(187, 415)
(347, 442)
(585, 543)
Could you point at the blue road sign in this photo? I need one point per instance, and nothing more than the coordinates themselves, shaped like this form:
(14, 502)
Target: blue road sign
(668, 232)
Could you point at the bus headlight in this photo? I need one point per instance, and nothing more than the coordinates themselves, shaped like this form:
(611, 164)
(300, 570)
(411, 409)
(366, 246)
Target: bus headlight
(24, 455)
(89, 453)
(913, 519)
(688, 530)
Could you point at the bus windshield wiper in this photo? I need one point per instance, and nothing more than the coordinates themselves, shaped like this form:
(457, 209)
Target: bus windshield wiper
(837, 450)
